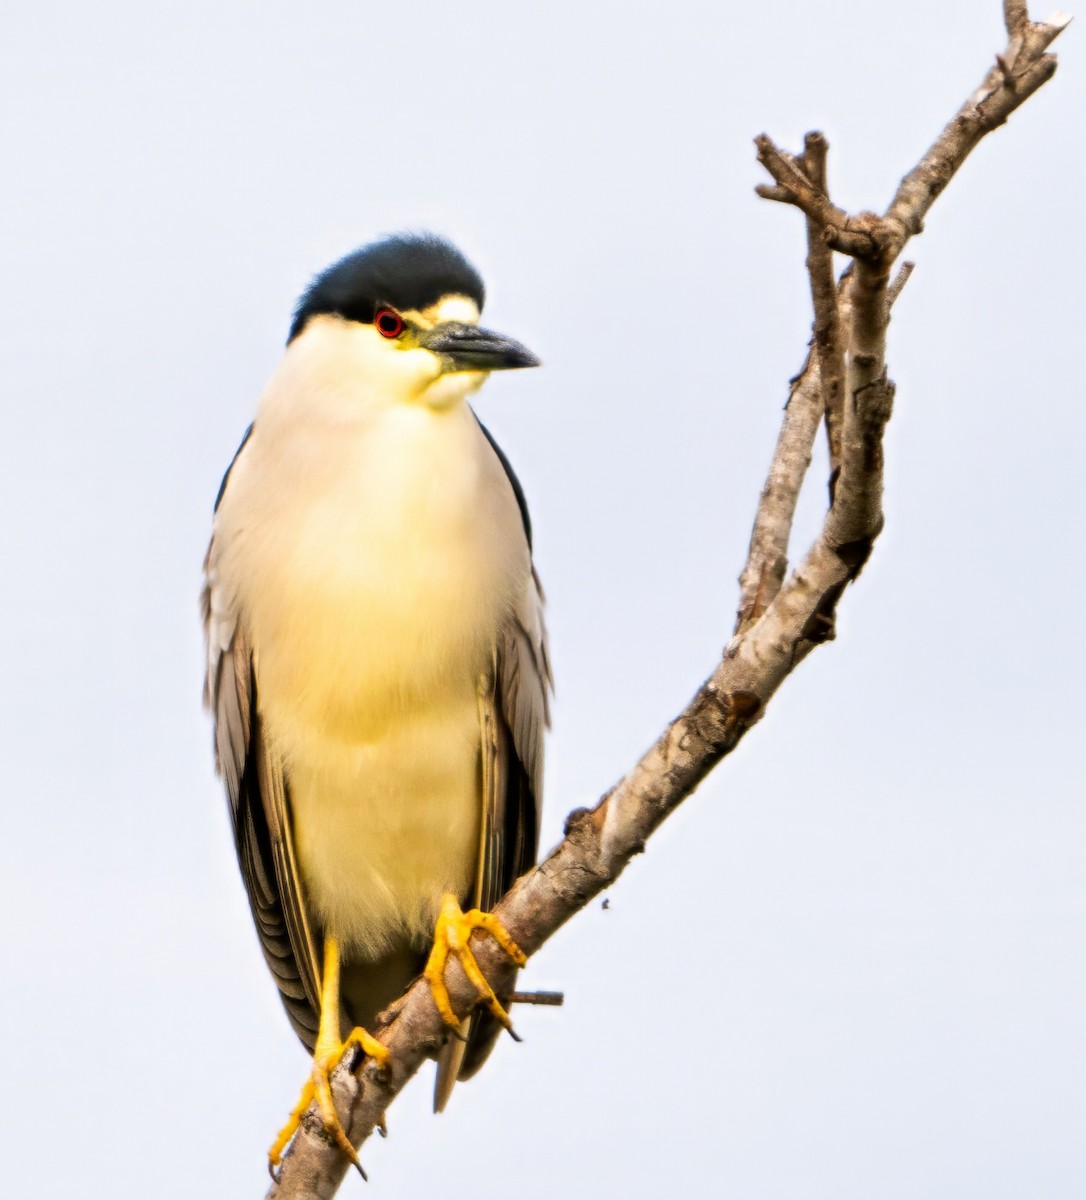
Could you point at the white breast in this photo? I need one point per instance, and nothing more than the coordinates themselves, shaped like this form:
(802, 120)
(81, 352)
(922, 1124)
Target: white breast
(375, 551)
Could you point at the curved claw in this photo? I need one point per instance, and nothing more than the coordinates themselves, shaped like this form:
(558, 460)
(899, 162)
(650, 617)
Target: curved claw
(326, 1056)
(452, 936)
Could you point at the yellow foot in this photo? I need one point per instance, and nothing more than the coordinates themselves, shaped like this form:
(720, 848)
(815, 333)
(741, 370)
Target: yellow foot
(451, 936)
(318, 1086)
(326, 1054)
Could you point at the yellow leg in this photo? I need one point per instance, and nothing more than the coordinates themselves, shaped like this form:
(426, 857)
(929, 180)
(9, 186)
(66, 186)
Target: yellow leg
(326, 1055)
(452, 935)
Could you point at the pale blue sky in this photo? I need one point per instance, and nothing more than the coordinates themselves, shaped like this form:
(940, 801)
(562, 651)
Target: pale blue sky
(875, 910)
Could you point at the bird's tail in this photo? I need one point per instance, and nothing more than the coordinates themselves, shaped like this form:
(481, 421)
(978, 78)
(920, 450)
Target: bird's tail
(449, 1061)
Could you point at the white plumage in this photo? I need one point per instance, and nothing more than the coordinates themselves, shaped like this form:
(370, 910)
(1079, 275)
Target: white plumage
(373, 544)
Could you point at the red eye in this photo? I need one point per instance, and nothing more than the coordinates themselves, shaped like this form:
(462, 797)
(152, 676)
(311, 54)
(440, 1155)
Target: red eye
(389, 324)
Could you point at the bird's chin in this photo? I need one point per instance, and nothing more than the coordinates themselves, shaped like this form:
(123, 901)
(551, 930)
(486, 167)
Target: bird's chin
(451, 388)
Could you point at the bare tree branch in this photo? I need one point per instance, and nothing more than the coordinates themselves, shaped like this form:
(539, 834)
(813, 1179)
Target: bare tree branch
(898, 283)
(1015, 17)
(779, 621)
(818, 389)
(767, 559)
(851, 235)
(1019, 71)
(825, 299)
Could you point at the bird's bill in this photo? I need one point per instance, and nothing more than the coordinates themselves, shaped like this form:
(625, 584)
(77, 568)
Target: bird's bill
(468, 348)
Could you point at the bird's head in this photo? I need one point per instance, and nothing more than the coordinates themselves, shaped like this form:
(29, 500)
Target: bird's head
(409, 308)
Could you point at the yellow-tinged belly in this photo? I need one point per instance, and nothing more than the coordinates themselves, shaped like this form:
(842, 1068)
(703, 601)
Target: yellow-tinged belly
(374, 595)
(383, 829)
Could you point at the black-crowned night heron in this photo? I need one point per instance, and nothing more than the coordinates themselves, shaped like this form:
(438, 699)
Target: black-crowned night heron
(377, 662)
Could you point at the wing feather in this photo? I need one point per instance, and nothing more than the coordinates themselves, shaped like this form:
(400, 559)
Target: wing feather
(514, 715)
(258, 797)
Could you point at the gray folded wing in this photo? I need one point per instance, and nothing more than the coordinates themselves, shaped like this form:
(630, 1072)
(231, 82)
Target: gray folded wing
(514, 716)
(256, 790)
